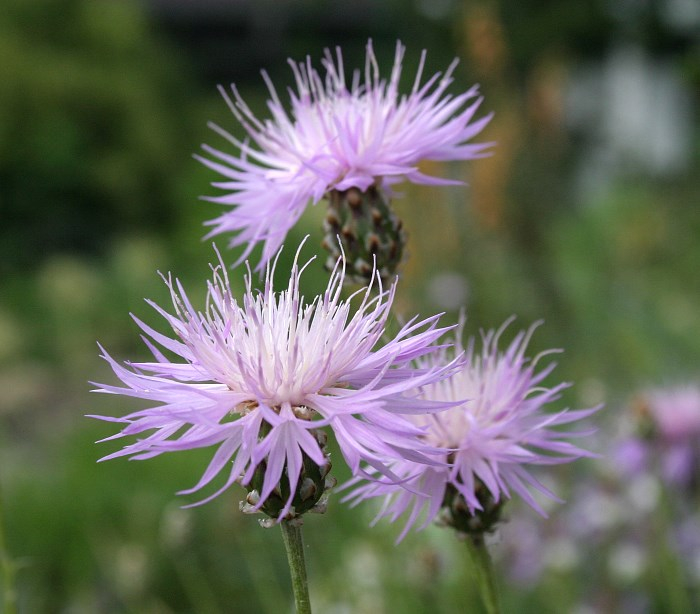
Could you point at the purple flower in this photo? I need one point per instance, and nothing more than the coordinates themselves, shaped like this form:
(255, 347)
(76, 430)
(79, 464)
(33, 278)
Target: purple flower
(489, 440)
(675, 416)
(630, 456)
(257, 379)
(335, 137)
(676, 412)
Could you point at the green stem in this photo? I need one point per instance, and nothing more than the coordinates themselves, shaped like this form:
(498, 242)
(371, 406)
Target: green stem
(7, 569)
(483, 570)
(294, 545)
(669, 569)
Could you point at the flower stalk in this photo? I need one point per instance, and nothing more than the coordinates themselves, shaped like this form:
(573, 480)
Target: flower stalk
(294, 545)
(483, 571)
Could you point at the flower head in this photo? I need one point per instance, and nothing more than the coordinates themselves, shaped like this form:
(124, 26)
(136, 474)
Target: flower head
(336, 136)
(489, 439)
(259, 379)
(666, 437)
(675, 412)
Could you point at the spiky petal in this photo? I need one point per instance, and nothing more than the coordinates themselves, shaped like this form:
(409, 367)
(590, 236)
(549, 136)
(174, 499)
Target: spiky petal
(489, 441)
(336, 136)
(260, 377)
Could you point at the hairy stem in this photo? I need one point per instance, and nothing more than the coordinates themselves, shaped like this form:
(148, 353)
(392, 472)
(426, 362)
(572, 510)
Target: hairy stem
(483, 570)
(294, 545)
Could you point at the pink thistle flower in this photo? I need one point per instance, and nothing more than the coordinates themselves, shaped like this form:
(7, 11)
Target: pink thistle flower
(488, 441)
(675, 415)
(257, 379)
(335, 137)
(676, 412)
(668, 435)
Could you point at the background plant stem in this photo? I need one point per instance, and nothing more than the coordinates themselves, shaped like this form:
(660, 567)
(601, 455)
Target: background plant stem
(7, 569)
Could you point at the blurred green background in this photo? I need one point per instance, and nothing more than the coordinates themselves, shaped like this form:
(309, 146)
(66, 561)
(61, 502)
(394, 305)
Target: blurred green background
(587, 216)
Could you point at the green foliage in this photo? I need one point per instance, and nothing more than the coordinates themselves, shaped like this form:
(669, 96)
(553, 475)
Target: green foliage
(92, 126)
(627, 268)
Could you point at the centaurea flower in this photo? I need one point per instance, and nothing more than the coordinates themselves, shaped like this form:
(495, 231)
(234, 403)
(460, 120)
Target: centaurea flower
(489, 440)
(667, 433)
(259, 379)
(346, 142)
